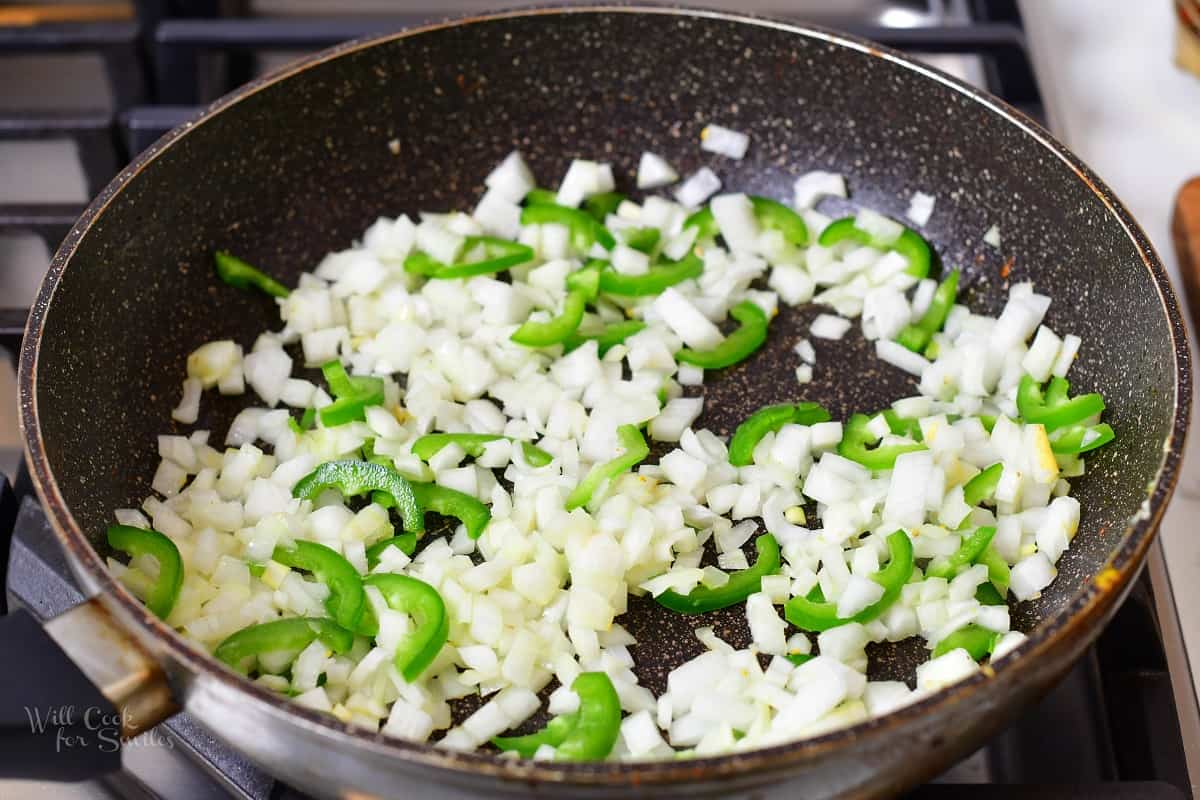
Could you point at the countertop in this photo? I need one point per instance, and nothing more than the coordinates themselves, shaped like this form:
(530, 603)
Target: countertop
(1115, 96)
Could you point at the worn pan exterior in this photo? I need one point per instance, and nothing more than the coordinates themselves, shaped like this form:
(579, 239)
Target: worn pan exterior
(290, 167)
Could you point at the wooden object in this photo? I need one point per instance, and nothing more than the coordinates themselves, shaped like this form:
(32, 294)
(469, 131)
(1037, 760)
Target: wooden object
(1185, 230)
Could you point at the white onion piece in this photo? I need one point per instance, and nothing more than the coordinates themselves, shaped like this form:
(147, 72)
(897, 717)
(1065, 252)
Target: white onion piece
(391, 240)
(727, 142)
(736, 219)
(583, 179)
(882, 230)
(812, 186)
(698, 187)
(767, 630)
(498, 214)
(188, 410)
(511, 179)
(686, 321)
(945, 670)
(920, 208)
(676, 417)
(654, 171)
(793, 283)
(1066, 356)
(827, 326)
(901, 357)
(1032, 574)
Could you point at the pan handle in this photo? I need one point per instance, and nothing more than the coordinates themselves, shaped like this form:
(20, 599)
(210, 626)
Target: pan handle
(71, 692)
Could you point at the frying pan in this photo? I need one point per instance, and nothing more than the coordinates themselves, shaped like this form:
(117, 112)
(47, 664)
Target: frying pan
(298, 164)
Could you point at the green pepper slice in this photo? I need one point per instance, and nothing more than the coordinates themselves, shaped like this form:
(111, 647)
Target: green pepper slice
(369, 454)
(240, 275)
(607, 338)
(164, 592)
(421, 263)
(989, 595)
(1056, 391)
(856, 446)
(999, 574)
(911, 244)
(816, 615)
(659, 277)
(497, 255)
(974, 639)
(1071, 440)
(917, 335)
(738, 345)
(584, 735)
(472, 444)
(586, 280)
(902, 426)
(585, 230)
(969, 550)
(292, 635)
(1053, 409)
(353, 395)
(346, 598)
(983, 486)
(634, 450)
(773, 215)
(420, 646)
(543, 197)
(601, 205)
(556, 330)
(704, 222)
(799, 658)
(769, 419)
(642, 239)
(741, 585)
(453, 503)
(552, 734)
(595, 731)
(353, 478)
(406, 542)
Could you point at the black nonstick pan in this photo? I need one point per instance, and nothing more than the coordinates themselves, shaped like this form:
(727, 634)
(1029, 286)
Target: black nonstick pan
(298, 164)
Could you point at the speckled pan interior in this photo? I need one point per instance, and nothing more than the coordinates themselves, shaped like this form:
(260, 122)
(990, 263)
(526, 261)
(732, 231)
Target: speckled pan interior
(300, 167)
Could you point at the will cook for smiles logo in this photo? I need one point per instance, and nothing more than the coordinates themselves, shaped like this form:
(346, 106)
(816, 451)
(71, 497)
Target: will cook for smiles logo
(83, 727)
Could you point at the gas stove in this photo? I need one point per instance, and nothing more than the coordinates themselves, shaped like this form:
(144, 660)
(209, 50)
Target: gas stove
(1122, 724)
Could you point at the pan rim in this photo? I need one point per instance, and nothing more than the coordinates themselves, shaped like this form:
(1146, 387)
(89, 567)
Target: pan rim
(1055, 633)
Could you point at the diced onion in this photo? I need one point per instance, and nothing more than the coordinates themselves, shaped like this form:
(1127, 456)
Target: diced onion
(812, 186)
(654, 171)
(727, 142)
(920, 208)
(827, 326)
(698, 187)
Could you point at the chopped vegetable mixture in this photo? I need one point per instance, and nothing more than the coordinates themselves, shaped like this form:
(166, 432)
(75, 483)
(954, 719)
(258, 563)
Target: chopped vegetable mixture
(465, 501)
